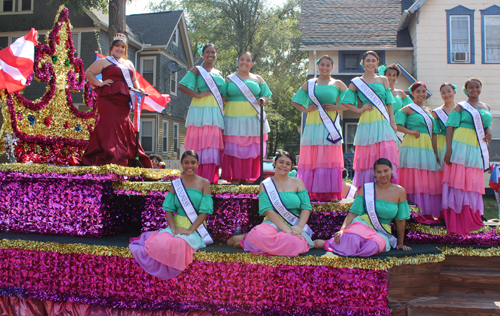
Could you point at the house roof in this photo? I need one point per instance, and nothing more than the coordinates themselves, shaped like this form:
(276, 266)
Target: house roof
(405, 17)
(103, 19)
(349, 24)
(155, 28)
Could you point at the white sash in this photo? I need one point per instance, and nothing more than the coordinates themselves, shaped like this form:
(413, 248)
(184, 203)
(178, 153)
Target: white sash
(369, 192)
(210, 82)
(189, 209)
(126, 75)
(427, 118)
(333, 128)
(247, 93)
(352, 192)
(480, 133)
(373, 97)
(274, 197)
(442, 115)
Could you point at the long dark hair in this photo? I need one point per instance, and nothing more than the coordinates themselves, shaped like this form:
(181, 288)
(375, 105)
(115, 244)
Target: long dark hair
(191, 153)
(286, 154)
(382, 161)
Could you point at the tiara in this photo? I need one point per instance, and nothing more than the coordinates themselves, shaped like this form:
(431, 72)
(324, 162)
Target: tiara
(120, 37)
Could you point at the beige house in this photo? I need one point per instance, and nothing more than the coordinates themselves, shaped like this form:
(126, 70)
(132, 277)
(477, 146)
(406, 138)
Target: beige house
(454, 41)
(435, 41)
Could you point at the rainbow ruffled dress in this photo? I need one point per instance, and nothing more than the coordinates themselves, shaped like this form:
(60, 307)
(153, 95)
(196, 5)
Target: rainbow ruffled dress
(320, 162)
(241, 158)
(360, 238)
(463, 180)
(440, 130)
(267, 238)
(163, 254)
(419, 172)
(204, 124)
(374, 137)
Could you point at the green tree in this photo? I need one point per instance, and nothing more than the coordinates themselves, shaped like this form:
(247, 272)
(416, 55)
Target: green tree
(271, 34)
(115, 8)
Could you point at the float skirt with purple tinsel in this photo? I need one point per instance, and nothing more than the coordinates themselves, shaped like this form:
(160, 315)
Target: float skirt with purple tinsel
(223, 283)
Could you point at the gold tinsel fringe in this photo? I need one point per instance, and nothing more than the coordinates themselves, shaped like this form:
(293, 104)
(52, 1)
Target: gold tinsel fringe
(439, 231)
(470, 251)
(66, 248)
(106, 169)
(272, 261)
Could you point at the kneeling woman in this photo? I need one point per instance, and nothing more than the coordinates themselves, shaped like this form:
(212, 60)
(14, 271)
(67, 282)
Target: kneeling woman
(285, 202)
(167, 252)
(367, 228)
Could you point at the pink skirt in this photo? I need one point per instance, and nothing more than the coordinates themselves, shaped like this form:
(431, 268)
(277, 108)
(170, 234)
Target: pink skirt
(169, 250)
(265, 239)
(464, 222)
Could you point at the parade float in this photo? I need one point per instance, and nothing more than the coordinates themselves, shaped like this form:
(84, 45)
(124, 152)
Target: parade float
(65, 232)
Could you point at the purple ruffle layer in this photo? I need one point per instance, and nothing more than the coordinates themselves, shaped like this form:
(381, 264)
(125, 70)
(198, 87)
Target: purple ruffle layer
(243, 152)
(429, 203)
(321, 180)
(456, 199)
(209, 155)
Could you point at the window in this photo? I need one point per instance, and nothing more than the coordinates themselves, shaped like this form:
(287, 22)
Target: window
(147, 135)
(349, 133)
(490, 35)
(460, 33)
(173, 83)
(175, 37)
(8, 6)
(176, 137)
(16, 6)
(25, 5)
(349, 60)
(164, 136)
(148, 69)
(76, 43)
(494, 145)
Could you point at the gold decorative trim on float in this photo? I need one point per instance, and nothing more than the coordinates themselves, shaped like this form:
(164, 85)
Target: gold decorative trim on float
(101, 170)
(439, 231)
(272, 261)
(470, 251)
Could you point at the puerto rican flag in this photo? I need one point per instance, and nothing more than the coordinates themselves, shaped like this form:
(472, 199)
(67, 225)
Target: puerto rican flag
(16, 62)
(155, 101)
(495, 174)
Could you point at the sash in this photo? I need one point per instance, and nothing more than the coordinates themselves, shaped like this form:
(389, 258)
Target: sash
(333, 128)
(369, 192)
(247, 93)
(126, 75)
(352, 192)
(212, 86)
(480, 134)
(442, 115)
(427, 118)
(190, 211)
(275, 199)
(373, 97)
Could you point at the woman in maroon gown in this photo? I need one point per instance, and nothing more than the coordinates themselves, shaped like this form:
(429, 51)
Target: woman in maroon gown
(113, 140)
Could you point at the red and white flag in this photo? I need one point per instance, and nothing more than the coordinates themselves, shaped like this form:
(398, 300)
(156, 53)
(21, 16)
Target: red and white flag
(16, 62)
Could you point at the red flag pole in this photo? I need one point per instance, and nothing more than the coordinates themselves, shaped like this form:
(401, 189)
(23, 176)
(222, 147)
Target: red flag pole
(137, 115)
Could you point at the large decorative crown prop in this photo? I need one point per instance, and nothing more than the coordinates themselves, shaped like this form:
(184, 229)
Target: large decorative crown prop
(120, 37)
(51, 129)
